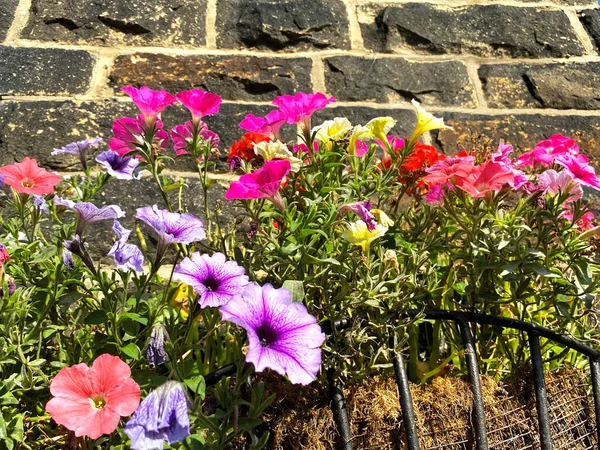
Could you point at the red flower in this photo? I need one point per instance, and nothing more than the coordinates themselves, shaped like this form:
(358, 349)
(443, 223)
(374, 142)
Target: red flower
(244, 148)
(28, 178)
(91, 400)
(422, 156)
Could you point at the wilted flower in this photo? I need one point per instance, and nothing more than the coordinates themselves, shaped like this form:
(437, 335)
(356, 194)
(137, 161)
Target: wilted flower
(91, 400)
(40, 204)
(391, 259)
(75, 245)
(268, 125)
(200, 103)
(182, 136)
(262, 183)
(282, 335)
(128, 135)
(358, 233)
(156, 346)
(78, 149)
(67, 259)
(12, 286)
(162, 416)
(88, 213)
(426, 122)
(215, 280)
(150, 103)
(27, 177)
(118, 166)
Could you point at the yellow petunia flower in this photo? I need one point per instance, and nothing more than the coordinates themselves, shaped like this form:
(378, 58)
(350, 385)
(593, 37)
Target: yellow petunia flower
(380, 127)
(358, 233)
(277, 150)
(426, 122)
(359, 133)
(382, 218)
(332, 130)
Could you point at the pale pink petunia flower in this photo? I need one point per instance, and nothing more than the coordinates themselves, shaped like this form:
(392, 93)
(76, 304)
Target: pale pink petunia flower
(552, 182)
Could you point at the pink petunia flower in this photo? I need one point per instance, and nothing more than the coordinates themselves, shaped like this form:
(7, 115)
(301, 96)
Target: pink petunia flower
(584, 223)
(545, 152)
(298, 108)
(282, 335)
(128, 135)
(182, 135)
(262, 183)
(91, 400)
(579, 167)
(435, 194)
(27, 177)
(200, 103)
(150, 103)
(268, 125)
(485, 178)
(552, 182)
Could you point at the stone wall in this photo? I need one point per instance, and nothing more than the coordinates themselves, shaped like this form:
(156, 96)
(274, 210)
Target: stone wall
(514, 69)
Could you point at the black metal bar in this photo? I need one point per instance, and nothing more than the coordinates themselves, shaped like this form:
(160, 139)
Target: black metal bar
(541, 396)
(225, 371)
(595, 369)
(406, 404)
(340, 414)
(481, 441)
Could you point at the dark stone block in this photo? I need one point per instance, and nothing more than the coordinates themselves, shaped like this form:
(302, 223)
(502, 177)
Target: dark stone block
(232, 77)
(282, 24)
(27, 71)
(591, 21)
(393, 80)
(7, 15)
(483, 30)
(117, 22)
(559, 86)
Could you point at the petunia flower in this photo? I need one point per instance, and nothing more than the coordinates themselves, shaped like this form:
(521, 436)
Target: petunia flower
(120, 167)
(268, 125)
(282, 335)
(126, 256)
(545, 152)
(331, 131)
(262, 183)
(380, 127)
(40, 204)
(150, 103)
(584, 222)
(182, 136)
(200, 103)
(27, 177)
(128, 135)
(91, 400)
(78, 149)
(358, 233)
(156, 353)
(215, 280)
(359, 133)
(67, 259)
(485, 178)
(4, 256)
(89, 213)
(162, 416)
(244, 148)
(552, 182)
(579, 167)
(277, 150)
(300, 107)
(396, 144)
(362, 210)
(426, 122)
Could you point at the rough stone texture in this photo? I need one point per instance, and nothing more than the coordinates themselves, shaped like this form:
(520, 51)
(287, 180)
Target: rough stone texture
(7, 14)
(591, 20)
(282, 24)
(559, 86)
(232, 77)
(26, 71)
(394, 80)
(109, 22)
(484, 30)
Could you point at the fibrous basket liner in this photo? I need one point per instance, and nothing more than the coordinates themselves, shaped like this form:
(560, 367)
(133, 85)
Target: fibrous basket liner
(303, 419)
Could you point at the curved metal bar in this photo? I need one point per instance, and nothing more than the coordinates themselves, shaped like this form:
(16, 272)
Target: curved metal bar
(541, 396)
(225, 371)
(340, 413)
(406, 404)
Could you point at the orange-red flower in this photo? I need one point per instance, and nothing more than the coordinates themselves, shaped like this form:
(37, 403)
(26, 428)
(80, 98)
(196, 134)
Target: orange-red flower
(244, 148)
(421, 157)
(28, 178)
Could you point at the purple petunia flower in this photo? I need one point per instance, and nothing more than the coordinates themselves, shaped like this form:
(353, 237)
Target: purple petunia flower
(78, 149)
(127, 256)
(40, 204)
(68, 261)
(156, 347)
(282, 335)
(88, 212)
(162, 416)
(215, 280)
(120, 167)
(362, 210)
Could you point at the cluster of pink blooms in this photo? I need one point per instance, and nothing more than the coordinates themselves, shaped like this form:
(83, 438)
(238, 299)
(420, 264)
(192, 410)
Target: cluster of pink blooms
(559, 167)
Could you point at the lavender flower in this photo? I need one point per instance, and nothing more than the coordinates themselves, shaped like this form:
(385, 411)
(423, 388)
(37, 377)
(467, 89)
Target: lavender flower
(40, 204)
(78, 149)
(126, 256)
(118, 166)
(282, 335)
(215, 280)
(156, 347)
(76, 246)
(162, 416)
(171, 227)
(68, 260)
(12, 286)
(88, 212)
(362, 210)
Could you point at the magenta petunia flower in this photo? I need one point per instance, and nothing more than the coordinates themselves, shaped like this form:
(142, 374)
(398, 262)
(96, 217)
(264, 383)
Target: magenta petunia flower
(182, 135)
(545, 152)
(282, 335)
(150, 103)
(128, 135)
(200, 103)
(268, 125)
(172, 227)
(215, 280)
(120, 167)
(88, 212)
(262, 183)
(297, 108)
(579, 167)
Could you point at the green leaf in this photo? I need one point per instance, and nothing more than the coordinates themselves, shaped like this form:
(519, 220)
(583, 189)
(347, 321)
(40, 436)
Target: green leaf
(296, 288)
(135, 317)
(96, 317)
(196, 384)
(132, 350)
(248, 423)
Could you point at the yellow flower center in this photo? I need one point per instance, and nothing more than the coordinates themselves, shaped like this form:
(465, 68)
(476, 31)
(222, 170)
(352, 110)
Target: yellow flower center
(98, 402)
(27, 183)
